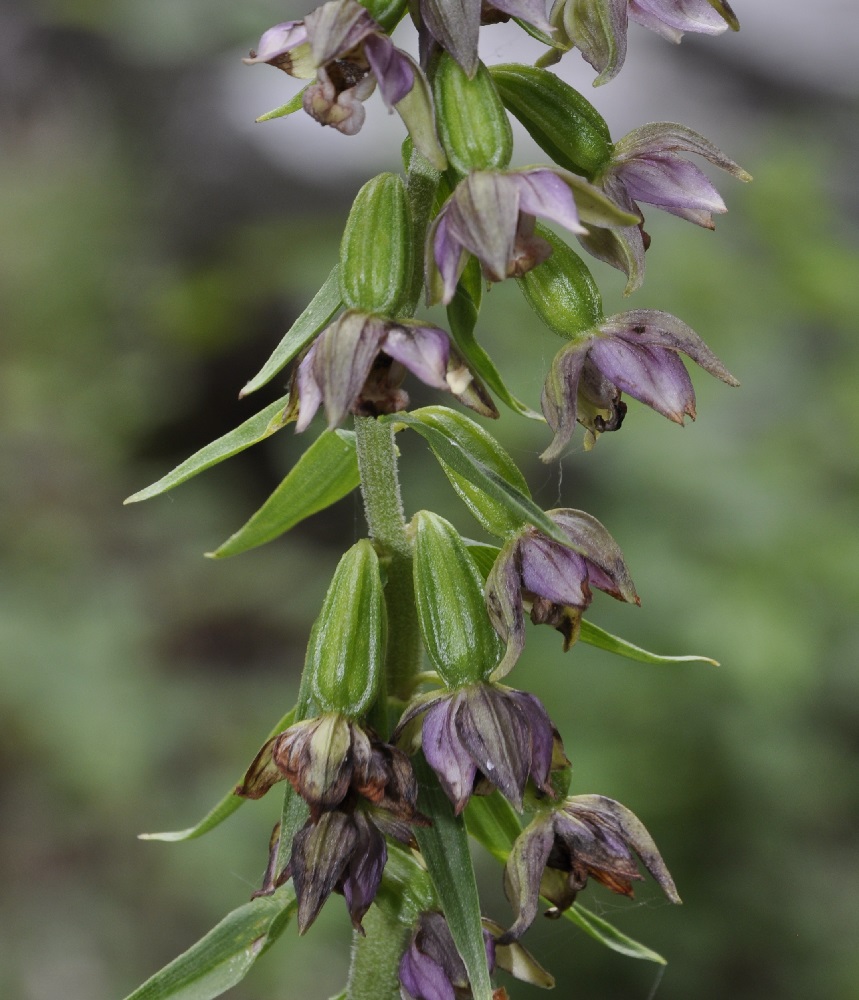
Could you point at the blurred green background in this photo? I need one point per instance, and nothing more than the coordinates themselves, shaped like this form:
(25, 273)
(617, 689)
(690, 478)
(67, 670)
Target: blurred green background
(153, 249)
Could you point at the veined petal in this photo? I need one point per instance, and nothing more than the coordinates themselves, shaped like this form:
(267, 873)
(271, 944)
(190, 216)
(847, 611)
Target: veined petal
(656, 138)
(336, 28)
(309, 392)
(598, 28)
(445, 262)
(532, 11)
(277, 44)
(424, 350)
(343, 357)
(423, 978)
(651, 374)
(652, 326)
(557, 574)
(482, 215)
(523, 872)
(601, 551)
(320, 853)
(559, 396)
(495, 733)
(543, 737)
(544, 193)
(674, 185)
(364, 872)
(670, 18)
(392, 68)
(455, 25)
(445, 753)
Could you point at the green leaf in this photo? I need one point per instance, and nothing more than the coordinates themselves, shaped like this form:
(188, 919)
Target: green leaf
(294, 104)
(481, 445)
(521, 508)
(610, 936)
(319, 313)
(324, 474)
(596, 636)
(444, 846)
(251, 432)
(226, 807)
(483, 555)
(225, 955)
(493, 823)
(462, 318)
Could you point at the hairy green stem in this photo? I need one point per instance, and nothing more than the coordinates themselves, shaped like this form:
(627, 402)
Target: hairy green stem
(383, 505)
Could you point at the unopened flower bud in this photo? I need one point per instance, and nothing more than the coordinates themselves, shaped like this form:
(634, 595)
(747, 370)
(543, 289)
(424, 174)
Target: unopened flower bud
(473, 125)
(562, 291)
(347, 644)
(376, 248)
(449, 593)
(566, 126)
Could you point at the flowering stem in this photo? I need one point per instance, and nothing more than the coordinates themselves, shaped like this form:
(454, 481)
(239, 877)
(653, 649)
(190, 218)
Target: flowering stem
(422, 184)
(373, 972)
(383, 506)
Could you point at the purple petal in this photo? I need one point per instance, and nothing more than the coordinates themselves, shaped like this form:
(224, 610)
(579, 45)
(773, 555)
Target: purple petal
(424, 350)
(556, 573)
(446, 755)
(320, 853)
(559, 396)
(606, 567)
(670, 18)
(343, 110)
(522, 874)
(482, 216)
(544, 193)
(364, 873)
(343, 357)
(651, 326)
(542, 736)
(672, 184)
(455, 25)
(495, 733)
(599, 31)
(279, 40)
(309, 392)
(434, 939)
(531, 11)
(336, 28)
(449, 258)
(657, 138)
(391, 68)
(653, 375)
(504, 605)
(422, 978)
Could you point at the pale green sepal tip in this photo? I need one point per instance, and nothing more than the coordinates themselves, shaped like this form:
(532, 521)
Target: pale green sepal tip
(294, 104)
(595, 636)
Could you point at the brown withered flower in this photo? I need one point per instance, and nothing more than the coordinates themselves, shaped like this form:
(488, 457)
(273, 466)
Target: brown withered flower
(588, 836)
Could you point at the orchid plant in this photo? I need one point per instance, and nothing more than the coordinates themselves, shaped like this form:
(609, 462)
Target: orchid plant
(406, 740)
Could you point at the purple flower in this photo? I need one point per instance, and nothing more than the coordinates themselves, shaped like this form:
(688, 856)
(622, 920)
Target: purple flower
(553, 581)
(587, 836)
(635, 352)
(349, 54)
(485, 736)
(358, 362)
(598, 28)
(492, 215)
(431, 968)
(455, 26)
(649, 165)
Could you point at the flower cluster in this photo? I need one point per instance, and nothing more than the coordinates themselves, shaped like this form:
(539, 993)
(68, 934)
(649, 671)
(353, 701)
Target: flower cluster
(460, 219)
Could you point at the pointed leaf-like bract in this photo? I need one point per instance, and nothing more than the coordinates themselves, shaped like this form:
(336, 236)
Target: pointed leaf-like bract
(444, 847)
(522, 509)
(318, 314)
(598, 637)
(324, 474)
(251, 432)
(456, 631)
(225, 955)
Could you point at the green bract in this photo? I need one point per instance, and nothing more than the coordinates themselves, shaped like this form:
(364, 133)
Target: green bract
(561, 291)
(376, 249)
(454, 625)
(347, 645)
(566, 126)
(473, 124)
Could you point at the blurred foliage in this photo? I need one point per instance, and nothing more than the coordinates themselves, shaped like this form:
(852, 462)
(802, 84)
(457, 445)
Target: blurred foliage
(151, 258)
